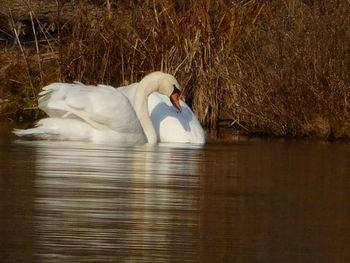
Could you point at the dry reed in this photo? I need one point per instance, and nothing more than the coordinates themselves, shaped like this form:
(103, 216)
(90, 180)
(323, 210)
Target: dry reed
(270, 67)
(294, 79)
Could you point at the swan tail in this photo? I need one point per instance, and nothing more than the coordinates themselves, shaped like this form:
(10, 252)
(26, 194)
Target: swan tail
(33, 132)
(37, 132)
(56, 129)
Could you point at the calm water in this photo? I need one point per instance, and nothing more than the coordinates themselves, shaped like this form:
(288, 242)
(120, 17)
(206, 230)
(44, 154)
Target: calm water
(239, 201)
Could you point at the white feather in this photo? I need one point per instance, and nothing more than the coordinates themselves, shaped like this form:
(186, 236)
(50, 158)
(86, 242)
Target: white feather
(170, 126)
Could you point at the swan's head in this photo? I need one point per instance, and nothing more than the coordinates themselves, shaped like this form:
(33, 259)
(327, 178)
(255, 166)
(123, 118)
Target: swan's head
(165, 84)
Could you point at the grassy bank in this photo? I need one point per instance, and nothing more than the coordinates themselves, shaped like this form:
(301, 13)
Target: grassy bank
(266, 67)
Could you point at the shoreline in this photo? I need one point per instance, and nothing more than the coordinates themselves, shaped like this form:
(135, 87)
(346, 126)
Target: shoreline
(220, 134)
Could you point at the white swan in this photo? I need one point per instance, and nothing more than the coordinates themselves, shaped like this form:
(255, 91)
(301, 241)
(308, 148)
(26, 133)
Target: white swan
(105, 114)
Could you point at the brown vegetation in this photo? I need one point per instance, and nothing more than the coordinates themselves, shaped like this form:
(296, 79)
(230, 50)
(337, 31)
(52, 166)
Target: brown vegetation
(270, 67)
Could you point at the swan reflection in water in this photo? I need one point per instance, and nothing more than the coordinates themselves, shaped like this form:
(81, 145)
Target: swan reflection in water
(106, 203)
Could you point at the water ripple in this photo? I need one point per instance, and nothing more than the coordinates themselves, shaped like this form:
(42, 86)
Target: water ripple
(116, 204)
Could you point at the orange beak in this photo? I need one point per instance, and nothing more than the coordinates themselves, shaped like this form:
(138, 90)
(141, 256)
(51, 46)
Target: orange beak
(175, 99)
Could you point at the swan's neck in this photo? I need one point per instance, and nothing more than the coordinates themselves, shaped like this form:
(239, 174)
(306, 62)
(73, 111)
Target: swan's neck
(141, 108)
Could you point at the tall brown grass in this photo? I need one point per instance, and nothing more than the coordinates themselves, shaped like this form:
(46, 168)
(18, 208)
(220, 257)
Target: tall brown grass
(293, 77)
(272, 67)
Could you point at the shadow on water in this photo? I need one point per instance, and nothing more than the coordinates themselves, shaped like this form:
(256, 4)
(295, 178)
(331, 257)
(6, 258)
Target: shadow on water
(244, 201)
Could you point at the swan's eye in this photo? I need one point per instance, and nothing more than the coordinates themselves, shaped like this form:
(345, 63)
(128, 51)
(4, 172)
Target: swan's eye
(176, 89)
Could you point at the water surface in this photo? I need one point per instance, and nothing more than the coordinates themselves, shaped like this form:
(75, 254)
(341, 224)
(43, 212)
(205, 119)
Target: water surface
(246, 200)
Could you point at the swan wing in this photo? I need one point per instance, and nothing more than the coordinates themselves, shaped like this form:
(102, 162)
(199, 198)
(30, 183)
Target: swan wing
(103, 107)
(130, 91)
